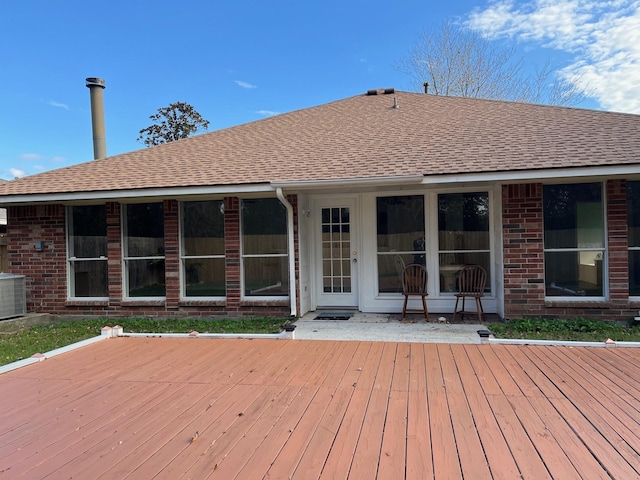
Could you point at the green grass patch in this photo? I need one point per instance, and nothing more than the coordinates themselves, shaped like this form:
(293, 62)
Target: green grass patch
(24, 343)
(580, 329)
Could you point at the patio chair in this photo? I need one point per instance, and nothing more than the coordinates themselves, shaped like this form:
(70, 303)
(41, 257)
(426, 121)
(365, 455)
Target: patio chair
(414, 283)
(471, 281)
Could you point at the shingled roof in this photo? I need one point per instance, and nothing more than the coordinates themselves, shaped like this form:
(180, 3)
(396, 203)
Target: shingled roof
(363, 137)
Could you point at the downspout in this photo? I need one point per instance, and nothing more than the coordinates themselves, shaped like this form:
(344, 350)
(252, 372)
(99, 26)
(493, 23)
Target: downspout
(292, 252)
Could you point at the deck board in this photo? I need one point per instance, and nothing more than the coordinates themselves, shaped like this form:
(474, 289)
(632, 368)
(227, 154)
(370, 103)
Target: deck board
(281, 409)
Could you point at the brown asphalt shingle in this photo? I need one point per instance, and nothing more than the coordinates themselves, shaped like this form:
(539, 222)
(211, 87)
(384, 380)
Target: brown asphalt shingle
(364, 137)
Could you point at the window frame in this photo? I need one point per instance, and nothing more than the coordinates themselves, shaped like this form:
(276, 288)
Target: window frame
(399, 253)
(630, 248)
(489, 288)
(71, 260)
(604, 249)
(184, 257)
(244, 256)
(126, 259)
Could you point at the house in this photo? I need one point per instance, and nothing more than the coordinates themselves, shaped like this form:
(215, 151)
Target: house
(322, 207)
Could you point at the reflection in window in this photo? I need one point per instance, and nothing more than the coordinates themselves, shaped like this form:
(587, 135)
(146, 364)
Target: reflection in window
(264, 248)
(400, 238)
(144, 250)
(336, 250)
(463, 236)
(633, 219)
(573, 240)
(203, 261)
(87, 240)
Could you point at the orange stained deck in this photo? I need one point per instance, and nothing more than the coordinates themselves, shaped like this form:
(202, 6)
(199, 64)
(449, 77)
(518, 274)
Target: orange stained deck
(276, 409)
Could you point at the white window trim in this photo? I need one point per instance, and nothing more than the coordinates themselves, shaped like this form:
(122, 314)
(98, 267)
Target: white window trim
(126, 259)
(71, 287)
(183, 278)
(255, 298)
(604, 249)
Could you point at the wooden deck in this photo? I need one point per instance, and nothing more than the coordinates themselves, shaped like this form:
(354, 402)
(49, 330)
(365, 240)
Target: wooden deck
(278, 409)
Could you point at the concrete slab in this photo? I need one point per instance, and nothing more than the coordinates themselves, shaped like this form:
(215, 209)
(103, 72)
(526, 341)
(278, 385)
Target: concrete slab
(386, 328)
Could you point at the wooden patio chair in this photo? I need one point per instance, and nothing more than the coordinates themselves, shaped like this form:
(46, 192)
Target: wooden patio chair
(414, 283)
(471, 281)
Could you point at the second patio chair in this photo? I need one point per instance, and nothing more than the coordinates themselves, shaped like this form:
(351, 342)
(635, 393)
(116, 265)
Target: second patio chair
(471, 281)
(414, 283)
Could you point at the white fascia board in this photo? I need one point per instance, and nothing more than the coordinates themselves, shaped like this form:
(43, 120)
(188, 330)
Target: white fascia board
(348, 182)
(518, 176)
(137, 194)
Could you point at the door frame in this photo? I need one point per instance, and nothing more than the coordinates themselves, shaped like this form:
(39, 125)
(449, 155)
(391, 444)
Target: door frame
(316, 204)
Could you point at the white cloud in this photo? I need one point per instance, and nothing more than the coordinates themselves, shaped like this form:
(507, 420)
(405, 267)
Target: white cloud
(16, 172)
(31, 156)
(58, 159)
(59, 105)
(267, 113)
(603, 39)
(244, 84)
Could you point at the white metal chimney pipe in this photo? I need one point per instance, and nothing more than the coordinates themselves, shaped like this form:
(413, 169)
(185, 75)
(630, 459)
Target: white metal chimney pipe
(96, 85)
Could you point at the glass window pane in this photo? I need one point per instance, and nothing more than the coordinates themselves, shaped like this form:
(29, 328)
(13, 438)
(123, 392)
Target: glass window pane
(88, 232)
(264, 226)
(390, 269)
(573, 274)
(202, 228)
(204, 277)
(633, 213)
(573, 216)
(634, 273)
(400, 223)
(266, 276)
(89, 278)
(463, 221)
(145, 230)
(451, 263)
(146, 278)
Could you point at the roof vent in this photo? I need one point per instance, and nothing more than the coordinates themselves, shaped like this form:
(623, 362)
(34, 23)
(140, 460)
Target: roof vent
(381, 91)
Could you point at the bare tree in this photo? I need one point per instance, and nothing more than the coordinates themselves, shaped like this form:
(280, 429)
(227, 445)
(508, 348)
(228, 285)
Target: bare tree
(178, 120)
(456, 61)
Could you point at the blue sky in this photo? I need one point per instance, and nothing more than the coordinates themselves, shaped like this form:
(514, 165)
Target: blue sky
(240, 61)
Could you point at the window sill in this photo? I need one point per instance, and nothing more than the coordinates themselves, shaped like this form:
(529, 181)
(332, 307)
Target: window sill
(203, 302)
(143, 303)
(265, 302)
(86, 303)
(577, 303)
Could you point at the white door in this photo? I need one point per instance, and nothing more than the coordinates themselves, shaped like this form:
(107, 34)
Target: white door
(336, 252)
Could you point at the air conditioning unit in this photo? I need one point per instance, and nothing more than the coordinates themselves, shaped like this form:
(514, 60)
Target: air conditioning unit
(13, 296)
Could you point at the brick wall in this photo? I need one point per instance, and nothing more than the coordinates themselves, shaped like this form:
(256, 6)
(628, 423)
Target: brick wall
(43, 267)
(523, 250)
(46, 276)
(522, 231)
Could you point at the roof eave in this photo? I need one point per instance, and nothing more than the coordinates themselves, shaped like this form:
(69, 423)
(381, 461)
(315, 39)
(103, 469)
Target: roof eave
(520, 176)
(139, 195)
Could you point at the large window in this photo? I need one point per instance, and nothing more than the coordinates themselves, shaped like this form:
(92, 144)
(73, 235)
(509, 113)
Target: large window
(463, 236)
(573, 240)
(400, 238)
(264, 248)
(144, 250)
(203, 264)
(87, 249)
(633, 218)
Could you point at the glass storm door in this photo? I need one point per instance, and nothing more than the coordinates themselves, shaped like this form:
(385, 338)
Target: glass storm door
(337, 254)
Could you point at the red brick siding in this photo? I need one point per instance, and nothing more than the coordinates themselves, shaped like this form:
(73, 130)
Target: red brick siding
(46, 272)
(523, 250)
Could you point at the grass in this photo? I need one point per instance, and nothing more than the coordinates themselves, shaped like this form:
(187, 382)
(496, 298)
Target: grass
(580, 329)
(20, 344)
